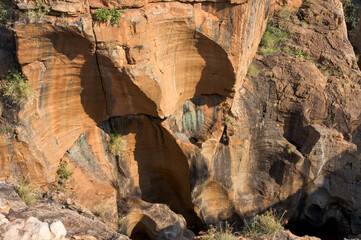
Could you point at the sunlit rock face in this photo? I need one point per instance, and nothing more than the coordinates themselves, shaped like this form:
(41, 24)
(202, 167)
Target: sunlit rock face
(154, 59)
(199, 138)
(146, 68)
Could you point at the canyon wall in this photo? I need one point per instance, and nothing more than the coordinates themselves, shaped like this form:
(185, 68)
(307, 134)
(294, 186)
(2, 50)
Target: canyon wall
(200, 138)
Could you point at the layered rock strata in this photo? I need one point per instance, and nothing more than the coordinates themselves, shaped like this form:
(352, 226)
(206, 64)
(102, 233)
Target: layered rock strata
(197, 134)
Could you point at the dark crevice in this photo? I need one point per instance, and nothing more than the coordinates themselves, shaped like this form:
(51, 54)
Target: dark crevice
(130, 60)
(331, 230)
(162, 168)
(99, 72)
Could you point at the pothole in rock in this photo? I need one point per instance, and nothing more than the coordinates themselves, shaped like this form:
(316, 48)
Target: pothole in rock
(158, 167)
(331, 230)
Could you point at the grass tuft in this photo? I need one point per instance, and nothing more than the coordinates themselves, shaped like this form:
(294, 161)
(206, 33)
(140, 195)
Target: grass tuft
(267, 223)
(272, 40)
(253, 71)
(221, 233)
(26, 192)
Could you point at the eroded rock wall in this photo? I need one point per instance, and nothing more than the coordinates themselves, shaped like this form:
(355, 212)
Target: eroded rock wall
(198, 135)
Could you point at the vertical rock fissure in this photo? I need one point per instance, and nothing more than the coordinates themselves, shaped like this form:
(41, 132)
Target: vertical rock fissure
(99, 72)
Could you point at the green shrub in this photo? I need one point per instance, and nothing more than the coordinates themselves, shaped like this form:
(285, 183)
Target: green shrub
(272, 40)
(117, 143)
(101, 15)
(63, 175)
(267, 223)
(40, 9)
(114, 16)
(26, 192)
(350, 13)
(17, 87)
(104, 15)
(4, 12)
(64, 172)
(220, 233)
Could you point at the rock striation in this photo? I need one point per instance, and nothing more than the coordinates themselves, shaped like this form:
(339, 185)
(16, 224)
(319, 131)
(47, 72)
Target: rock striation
(203, 141)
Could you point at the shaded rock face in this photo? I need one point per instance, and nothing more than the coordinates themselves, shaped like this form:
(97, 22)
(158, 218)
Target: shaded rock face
(197, 134)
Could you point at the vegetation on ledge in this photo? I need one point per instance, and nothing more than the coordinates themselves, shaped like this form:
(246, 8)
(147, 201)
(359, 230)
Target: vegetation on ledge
(17, 88)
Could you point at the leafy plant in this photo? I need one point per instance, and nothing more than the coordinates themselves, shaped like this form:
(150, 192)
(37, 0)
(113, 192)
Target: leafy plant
(26, 192)
(299, 54)
(101, 15)
(40, 9)
(117, 143)
(272, 40)
(63, 175)
(221, 233)
(64, 172)
(104, 15)
(267, 223)
(17, 87)
(350, 13)
(114, 16)
(4, 12)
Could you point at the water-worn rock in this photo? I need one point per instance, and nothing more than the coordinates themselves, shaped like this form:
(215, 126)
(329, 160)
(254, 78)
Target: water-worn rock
(84, 71)
(154, 221)
(195, 134)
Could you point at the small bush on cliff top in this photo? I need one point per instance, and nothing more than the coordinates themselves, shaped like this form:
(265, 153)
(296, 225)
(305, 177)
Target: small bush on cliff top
(267, 223)
(40, 9)
(117, 143)
(17, 87)
(104, 15)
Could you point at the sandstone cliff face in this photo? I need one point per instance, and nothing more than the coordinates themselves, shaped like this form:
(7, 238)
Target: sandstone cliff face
(199, 136)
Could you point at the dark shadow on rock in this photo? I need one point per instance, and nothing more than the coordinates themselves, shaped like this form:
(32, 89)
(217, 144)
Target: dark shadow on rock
(7, 50)
(162, 166)
(78, 48)
(143, 231)
(218, 74)
(209, 100)
(356, 138)
(124, 97)
(329, 210)
(164, 172)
